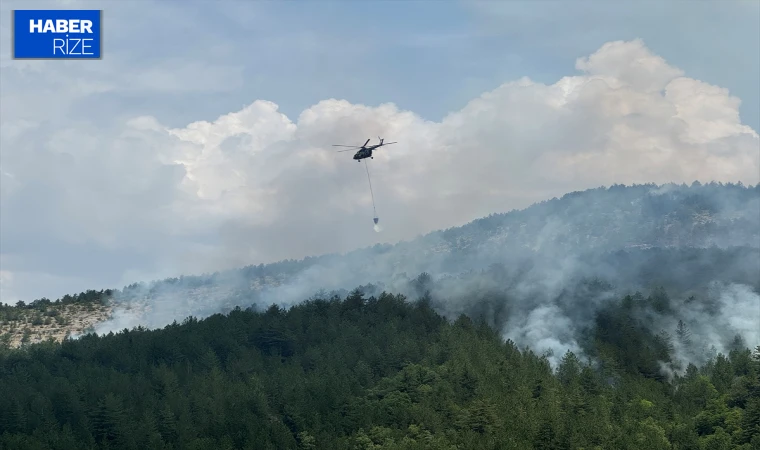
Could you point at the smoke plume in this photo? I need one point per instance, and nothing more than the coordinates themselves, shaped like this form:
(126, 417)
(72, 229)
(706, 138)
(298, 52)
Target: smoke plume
(539, 275)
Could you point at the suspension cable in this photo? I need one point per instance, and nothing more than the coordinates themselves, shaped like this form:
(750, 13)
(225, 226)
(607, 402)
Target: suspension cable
(370, 188)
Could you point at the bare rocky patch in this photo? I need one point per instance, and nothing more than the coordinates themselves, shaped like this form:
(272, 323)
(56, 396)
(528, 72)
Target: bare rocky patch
(29, 326)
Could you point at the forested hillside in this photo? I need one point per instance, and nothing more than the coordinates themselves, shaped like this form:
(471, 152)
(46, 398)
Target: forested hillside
(42, 319)
(524, 272)
(620, 233)
(619, 318)
(374, 373)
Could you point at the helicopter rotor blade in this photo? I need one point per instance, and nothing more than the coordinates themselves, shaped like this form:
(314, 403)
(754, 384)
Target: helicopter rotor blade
(349, 146)
(347, 150)
(365, 144)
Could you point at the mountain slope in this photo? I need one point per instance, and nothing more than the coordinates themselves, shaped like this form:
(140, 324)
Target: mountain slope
(689, 237)
(370, 373)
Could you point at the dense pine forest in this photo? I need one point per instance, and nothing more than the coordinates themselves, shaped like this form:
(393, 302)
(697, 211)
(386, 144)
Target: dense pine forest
(375, 372)
(614, 318)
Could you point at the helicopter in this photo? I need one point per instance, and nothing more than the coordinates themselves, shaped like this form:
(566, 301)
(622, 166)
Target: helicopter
(364, 151)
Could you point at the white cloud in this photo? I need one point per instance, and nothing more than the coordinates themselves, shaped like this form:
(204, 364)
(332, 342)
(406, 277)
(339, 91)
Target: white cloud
(629, 64)
(254, 185)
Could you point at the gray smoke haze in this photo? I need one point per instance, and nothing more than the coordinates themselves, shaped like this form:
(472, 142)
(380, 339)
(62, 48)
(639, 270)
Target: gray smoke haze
(139, 195)
(731, 309)
(539, 275)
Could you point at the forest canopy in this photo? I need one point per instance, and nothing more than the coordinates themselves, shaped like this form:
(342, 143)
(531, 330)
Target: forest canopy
(375, 372)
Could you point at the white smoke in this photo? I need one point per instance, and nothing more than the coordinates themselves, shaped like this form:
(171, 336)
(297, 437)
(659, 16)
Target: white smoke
(545, 330)
(199, 196)
(530, 274)
(254, 177)
(732, 309)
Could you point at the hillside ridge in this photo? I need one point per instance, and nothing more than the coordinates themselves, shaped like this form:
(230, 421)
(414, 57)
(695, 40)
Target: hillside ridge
(581, 225)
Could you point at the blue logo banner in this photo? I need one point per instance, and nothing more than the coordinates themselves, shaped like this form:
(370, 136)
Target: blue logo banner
(57, 34)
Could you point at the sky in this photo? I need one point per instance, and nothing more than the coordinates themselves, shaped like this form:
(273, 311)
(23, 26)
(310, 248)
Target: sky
(202, 139)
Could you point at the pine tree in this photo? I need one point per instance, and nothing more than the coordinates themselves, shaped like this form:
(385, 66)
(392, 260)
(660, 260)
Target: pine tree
(569, 368)
(167, 424)
(684, 334)
(750, 423)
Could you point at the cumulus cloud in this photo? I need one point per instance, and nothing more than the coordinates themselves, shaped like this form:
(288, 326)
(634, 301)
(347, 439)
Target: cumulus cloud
(255, 185)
